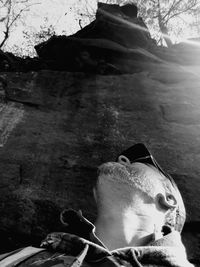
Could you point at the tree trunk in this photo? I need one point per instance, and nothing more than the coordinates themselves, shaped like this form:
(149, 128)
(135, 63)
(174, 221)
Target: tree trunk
(163, 28)
(6, 35)
(164, 31)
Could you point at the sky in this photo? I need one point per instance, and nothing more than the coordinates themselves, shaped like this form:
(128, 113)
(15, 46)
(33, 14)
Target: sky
(63, 16)
(60, 13)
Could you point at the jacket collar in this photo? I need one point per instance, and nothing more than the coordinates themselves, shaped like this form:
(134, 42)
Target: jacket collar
(78, 225)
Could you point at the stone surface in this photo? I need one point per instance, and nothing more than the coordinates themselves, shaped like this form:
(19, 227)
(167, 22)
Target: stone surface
(115, 24)
(187, 52)
(114, 43)
(57, 127)
(101, 46)
(116, 34)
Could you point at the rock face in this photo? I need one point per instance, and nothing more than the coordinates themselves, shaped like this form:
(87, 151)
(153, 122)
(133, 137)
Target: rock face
(101, 47)
(119, 24)
(187, 52)
(57, 127)
(114, 43)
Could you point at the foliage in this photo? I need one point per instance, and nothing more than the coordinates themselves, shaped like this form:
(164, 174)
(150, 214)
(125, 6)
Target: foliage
(164, 18)
(32, 38)
(12, 12)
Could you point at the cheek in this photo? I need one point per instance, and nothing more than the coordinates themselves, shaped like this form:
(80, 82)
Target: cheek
(95, 194)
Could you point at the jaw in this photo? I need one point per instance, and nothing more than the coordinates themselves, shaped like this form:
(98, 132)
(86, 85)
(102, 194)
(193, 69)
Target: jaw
(124, 230)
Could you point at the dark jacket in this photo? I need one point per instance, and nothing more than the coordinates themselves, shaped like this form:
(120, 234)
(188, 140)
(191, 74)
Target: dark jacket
(79, 246)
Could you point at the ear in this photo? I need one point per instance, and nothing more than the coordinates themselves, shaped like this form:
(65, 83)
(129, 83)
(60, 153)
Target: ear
(166, 202)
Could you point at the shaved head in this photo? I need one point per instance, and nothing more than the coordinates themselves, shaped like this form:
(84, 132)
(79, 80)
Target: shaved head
(123, 184)
(137, 176)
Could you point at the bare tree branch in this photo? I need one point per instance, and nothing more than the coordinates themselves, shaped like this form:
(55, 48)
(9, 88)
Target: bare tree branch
(186, 9)
(12, 17)
(170, 9)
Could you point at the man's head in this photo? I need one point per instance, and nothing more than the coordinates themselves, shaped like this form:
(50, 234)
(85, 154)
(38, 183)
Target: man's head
(141, 186)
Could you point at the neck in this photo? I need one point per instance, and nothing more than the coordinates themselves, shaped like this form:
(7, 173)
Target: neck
(127, 228)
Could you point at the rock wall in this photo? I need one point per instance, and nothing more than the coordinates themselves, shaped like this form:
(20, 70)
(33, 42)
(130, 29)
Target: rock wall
(57, 127)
